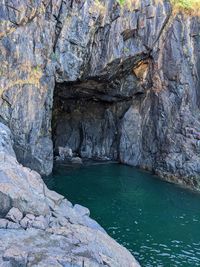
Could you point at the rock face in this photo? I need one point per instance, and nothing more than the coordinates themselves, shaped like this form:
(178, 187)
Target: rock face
(133, 93)
(38, 227)
(117, 82)
(62, 247)
(125, 81)
(26, 79)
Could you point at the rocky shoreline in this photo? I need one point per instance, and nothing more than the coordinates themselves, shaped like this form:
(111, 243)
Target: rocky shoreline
(38, 227)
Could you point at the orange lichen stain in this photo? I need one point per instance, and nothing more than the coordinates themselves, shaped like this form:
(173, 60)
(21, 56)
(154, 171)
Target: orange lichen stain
(33, 76)
(98, 7)
(141, 70)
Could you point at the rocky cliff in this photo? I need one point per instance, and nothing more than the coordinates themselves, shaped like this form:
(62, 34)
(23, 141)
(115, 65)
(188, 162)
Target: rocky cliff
(125, 83)
(108, 81)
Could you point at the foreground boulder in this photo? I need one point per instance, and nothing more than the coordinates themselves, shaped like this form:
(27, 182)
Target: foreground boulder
(22, 188)
(38, 227)
(73, 245)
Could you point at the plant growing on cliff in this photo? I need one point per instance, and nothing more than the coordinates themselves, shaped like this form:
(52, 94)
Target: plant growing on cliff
(37, 69)
(98, 6)
(121, 2)
(127, 3)
(191, 7)
(133, 4)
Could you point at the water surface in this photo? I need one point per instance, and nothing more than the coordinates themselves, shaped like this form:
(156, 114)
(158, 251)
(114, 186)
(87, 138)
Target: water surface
(157, 221)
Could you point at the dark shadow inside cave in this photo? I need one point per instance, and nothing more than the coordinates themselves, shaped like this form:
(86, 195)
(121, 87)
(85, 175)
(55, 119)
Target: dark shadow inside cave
(86, 119)
(87, 116)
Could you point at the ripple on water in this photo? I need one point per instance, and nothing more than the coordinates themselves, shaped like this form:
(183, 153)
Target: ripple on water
(157, 221)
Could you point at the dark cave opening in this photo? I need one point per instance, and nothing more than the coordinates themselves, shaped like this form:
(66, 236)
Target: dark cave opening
(89, 116)
(86, 118)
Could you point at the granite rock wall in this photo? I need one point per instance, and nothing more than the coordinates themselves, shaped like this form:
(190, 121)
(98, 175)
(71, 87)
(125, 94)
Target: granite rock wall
(125, 82)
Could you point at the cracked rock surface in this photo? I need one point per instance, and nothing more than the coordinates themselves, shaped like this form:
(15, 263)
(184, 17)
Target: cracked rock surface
(38, 227)
(125, 82)
(117, 83)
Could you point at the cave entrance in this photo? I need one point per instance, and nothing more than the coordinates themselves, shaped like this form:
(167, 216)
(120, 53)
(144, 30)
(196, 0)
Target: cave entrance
(86, 117)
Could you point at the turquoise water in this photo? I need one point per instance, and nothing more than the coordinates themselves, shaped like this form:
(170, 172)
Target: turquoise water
(157, 221)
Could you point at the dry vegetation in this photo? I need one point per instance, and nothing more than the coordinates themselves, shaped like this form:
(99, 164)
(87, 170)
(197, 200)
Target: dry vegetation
(98, 6)
(32, 78)
(191, 7)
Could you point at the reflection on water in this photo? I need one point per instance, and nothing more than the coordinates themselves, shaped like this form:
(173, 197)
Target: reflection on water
(157, 221)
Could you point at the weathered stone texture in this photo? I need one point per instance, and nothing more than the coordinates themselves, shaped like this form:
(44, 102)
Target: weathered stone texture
(131, 89)
(126, 83)
(38, 227)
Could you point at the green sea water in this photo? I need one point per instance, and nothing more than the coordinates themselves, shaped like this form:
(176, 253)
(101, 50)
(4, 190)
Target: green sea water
(157, 221)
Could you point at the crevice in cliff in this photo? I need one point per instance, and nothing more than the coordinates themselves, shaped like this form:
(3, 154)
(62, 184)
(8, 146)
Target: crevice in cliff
(59, 22)
(165, 26)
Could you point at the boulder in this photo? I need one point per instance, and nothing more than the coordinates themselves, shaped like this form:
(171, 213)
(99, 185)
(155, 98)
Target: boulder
(40, 222)
(77, 160)
(76, 216)
(62, 221)
(64, 153)
(15, 257)
(13, 225)
(27, 221)
(82, 211)
(5, 201)
(14, 215)
(3, 223)
(23, 187)
(73, 245)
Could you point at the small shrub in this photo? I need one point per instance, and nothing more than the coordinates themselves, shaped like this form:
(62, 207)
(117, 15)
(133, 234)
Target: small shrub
(121, 2)
(191, 7)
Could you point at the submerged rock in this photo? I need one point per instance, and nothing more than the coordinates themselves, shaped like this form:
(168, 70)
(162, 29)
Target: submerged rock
(77, 160)
(64, 153)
